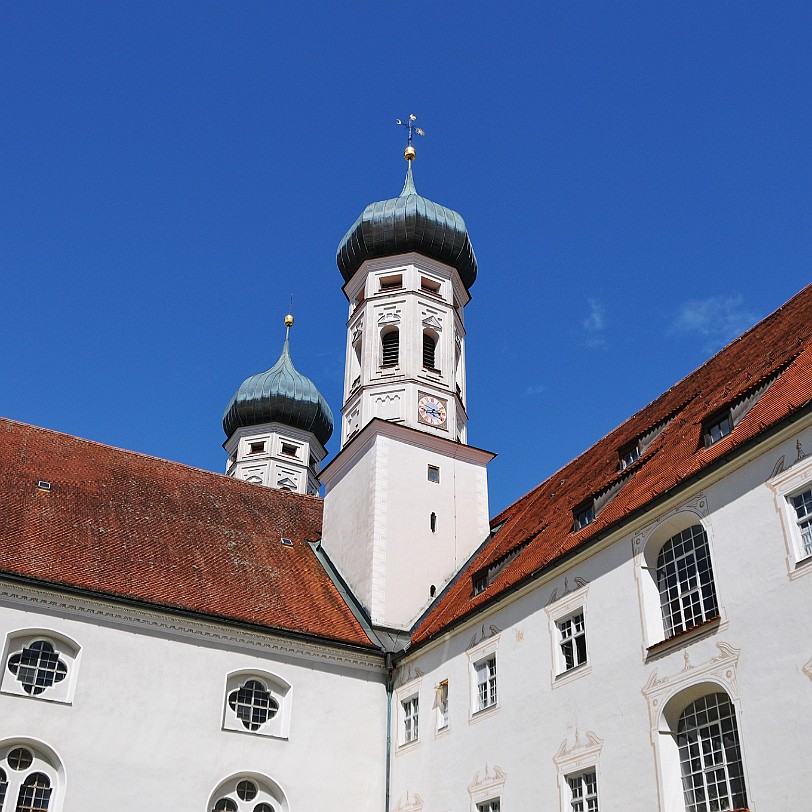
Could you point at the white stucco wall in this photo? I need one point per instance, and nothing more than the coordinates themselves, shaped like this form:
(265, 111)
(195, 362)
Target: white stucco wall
(145, 727)
(609, 711)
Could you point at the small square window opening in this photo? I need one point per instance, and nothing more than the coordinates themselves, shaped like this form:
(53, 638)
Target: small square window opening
(717, 428)
(256, 447)
(289, 449)
(391, 283)
(434, 474)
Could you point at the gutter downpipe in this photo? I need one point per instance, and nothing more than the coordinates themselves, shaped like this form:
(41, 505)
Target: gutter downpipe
(389, 685)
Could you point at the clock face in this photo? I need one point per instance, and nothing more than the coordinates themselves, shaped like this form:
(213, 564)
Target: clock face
(431, 411)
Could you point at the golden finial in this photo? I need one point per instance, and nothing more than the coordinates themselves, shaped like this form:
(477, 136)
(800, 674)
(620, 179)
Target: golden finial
(289, 320)
(411, 128)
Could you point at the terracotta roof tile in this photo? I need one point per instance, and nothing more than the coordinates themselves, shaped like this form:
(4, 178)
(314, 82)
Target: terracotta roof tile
(127, 525)
(780, 342)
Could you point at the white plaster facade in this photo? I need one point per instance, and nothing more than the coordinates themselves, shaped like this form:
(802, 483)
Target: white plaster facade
(146, 723)
(395, 534)
(277, 456)
(614, 714)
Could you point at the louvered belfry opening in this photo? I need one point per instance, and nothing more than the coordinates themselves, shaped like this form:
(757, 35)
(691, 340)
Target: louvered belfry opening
(390, 343)
(429, 348)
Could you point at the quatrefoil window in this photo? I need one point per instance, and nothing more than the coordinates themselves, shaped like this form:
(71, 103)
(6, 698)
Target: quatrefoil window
(253, 704)
(37, 667)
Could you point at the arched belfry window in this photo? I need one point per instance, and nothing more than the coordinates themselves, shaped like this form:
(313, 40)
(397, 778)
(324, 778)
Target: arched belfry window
(429, 350)
(685, 581)
(390, 347)
(710, 755)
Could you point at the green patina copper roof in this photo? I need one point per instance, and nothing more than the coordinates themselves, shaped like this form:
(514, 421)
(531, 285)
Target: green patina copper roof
(408, 223)
(280, 395)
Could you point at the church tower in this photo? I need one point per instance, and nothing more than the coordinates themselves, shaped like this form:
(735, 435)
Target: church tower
(277, 425)
(406, 499)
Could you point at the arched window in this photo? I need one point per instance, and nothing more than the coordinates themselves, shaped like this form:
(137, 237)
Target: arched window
(710, 755)
(390, 347)
(429, 350)
(685, 581)
(248, 793)
(27, 778)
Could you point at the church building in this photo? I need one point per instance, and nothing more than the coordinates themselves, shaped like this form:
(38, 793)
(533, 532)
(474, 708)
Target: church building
(628, 635)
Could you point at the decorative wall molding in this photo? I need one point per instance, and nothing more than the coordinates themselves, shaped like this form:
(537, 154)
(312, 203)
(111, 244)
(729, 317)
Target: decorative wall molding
(781, 466)
(582, 753)
(486, 784)
(389, 317)
(409, 804)
(434, 323)
(578, 583)
(720, 669)
(697, 504)
(32, 599)
(408, 675)
(807, 669)
(481, 635)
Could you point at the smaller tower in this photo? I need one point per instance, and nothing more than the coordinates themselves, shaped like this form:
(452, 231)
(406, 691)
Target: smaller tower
(277, 425)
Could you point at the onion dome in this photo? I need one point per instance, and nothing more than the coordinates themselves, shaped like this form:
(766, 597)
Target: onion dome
(408, 223)
(280, 395)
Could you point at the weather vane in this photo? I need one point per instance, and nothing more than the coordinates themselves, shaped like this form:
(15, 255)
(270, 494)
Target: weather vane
(411, 128)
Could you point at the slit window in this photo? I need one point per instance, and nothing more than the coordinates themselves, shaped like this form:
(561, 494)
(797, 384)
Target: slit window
(429, 351)
(433, 522)
(390, 348)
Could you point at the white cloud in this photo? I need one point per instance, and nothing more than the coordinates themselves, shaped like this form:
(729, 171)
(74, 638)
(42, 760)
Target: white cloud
(718, 319)
(594, 324)
(534, 390)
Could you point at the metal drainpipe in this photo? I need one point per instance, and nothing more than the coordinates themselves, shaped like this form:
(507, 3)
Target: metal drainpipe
(389, 671)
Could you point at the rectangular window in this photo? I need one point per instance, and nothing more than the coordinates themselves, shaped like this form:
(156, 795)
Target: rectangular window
(256, 448)
(289, 449)
(489, 806)
(583, 792)
(629, 455)
(573, 641)
(434, 474)
(429, 286)
(584, 515)
(803, 511)
(717, 427)
(410, 719)
(486, 683)
(442, 705)
(391, 283)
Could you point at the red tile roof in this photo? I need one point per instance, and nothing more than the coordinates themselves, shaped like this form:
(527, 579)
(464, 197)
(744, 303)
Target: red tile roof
(544, 517)
(126, 525)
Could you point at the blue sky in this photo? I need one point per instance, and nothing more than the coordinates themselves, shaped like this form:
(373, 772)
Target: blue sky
(635, 178)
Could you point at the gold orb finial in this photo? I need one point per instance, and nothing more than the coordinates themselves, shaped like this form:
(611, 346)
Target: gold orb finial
(289, 320)
(409, 153)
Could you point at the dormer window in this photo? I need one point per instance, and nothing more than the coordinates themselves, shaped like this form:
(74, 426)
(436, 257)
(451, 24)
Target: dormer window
(583, 515)
(629, 454)
(717, 427)
(391, 283)
(256, 447)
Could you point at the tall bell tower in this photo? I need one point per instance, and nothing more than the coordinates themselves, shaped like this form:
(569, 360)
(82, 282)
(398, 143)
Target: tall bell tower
(406, 500)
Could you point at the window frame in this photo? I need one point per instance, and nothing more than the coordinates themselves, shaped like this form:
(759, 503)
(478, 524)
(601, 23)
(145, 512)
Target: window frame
(268, 792)
(407, 693)
(478, 656)
(65, 647)
(792, 482)
(410, 728)
(442, 706)
(45, 761)
(572, 602)
(278, 726)
(581, 804)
